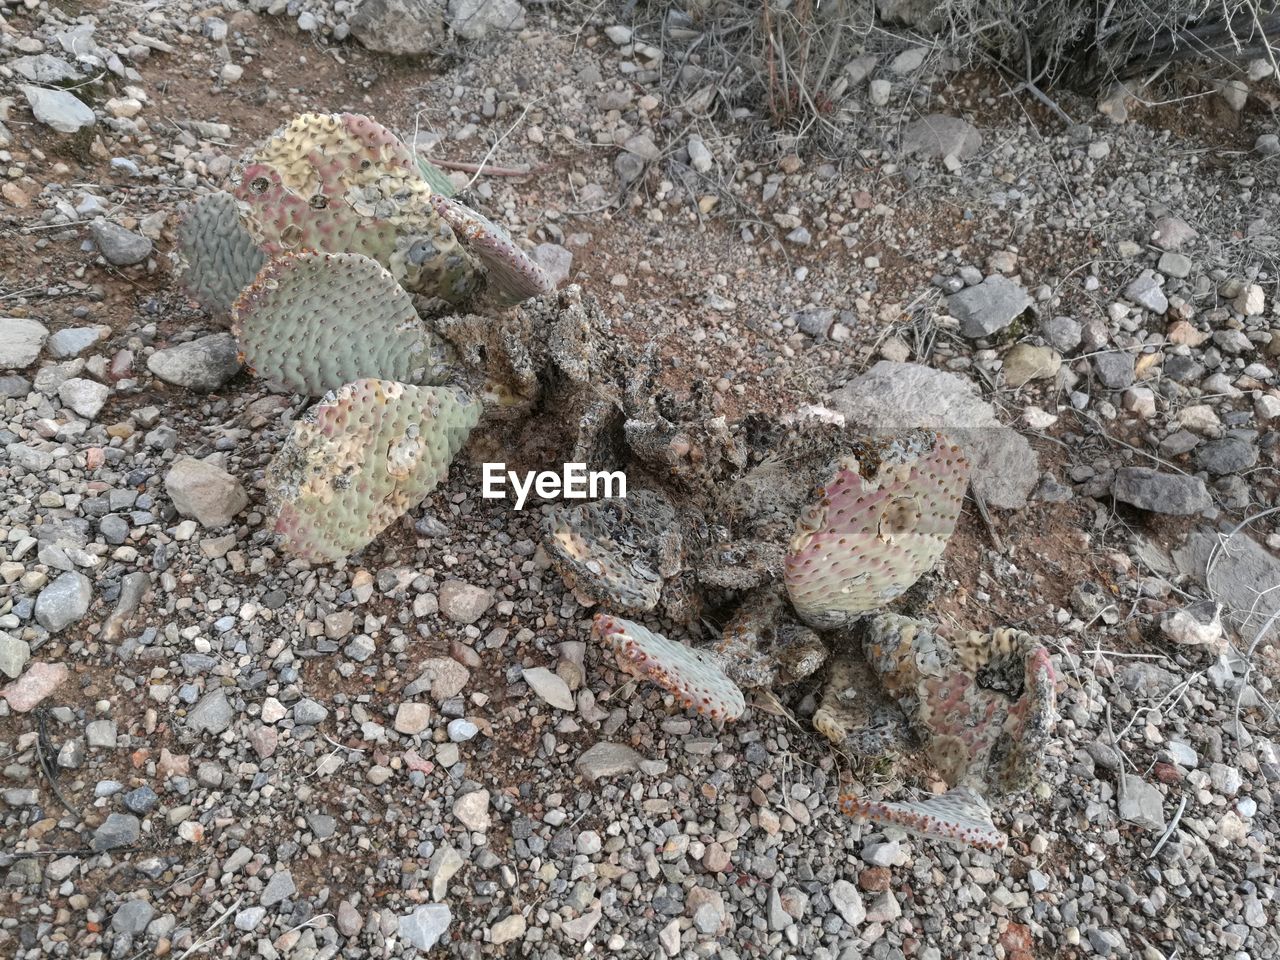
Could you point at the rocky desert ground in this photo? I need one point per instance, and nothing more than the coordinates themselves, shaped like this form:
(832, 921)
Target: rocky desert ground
(209, 748)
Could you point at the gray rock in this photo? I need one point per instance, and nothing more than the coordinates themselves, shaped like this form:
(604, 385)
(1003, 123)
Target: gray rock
(1146, 292)
(141, 800)
(891, 397)
(1268, 145)
(608, 760)
(406, 27)
(1172, 233)
(463, 603)
(472, 810)
(213, 713)
(308, 713)
(14, 654)
(1141, 803)
(44, 69)
(988, 307)
(1063, 333)
(13, 386)
(21, 339)
(475, 19)
(132, 917)
(204, 364)
(101, 734)
(815, 322)
(72, 341)
(85, 397)
(63, 602)
(350, 923)
(938, 135)
(249, 918)
(1228, 455)
(555, 260)
(279, 887)
(58, 109)
(118, 830)
(1115, 369)
(549, 687)
(847, 900)
(1243, 577)
(205, 491)
(1174, 265)
(426, 925)
(1195, 625)
(119, 246)
(1175, 494)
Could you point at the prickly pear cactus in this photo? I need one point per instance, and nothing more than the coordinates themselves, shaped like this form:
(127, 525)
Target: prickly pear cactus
(698, 681)
(984, 704)
(219, 256)
(857, 715)
(313, 322)
(360, 458)
(511, 275)
(762, 645)
(960, 816)
(436, 178)
(616, 552)
(879, 523)
(345, 184)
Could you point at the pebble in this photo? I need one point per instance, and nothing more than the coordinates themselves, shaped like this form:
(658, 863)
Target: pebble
(204, 364)
(424, 927)
(988, 307)
(205, 491)
(64, 602)
(58, 109)
(463, 602)
(472, 810)
(550, 687)
(21, 340)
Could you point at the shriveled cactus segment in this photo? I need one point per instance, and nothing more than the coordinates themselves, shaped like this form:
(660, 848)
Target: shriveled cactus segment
(695, 678)
(960, 816)
(359, 459)
(345, 184)
(984, 703)
(856, 715)
(512, 276)
(763, 645)
(879, 523)
(313, 322)
(219, 255)
(616, 552)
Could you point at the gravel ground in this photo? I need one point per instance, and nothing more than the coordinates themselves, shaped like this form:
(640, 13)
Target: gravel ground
(209, 748)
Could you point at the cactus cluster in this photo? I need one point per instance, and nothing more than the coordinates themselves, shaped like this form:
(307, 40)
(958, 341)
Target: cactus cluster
(349, 272)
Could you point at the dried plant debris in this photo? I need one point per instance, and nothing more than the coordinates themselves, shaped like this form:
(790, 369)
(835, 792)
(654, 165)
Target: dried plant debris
(763, 645)
(313, 322)
(697, 679)
(880, 522)
(359, 459)
(219, 257)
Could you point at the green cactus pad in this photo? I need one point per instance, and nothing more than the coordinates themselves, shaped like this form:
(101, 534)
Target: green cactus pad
(879, 523)
(359, 459)
(984, 703)
(219, 256)
(345, 184)
(436, 178)
(313, 322)
(511, 275)
(960, 817)
(695, 678)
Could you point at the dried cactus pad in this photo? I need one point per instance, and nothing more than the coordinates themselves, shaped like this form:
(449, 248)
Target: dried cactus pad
(360, 458)
(512, 275)
(694, 677)
(762, 645)
(313, 322)
(878, 524)
(343, 183)
(220, 256)
(960, 816)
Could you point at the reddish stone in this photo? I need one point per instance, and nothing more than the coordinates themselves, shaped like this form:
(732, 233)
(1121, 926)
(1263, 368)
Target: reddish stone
(874, 879)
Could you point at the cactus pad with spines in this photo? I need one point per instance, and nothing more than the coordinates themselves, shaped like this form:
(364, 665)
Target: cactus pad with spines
(879, 523)
(313, 322)
(359, 459)
(345, 184)
(960, 816)
(698, 681)
(511, 275)
(219, 255)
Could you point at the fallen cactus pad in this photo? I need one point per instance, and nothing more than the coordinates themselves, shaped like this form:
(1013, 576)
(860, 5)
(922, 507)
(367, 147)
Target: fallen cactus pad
(343, 183)
(359, 459)
(511, 275)
(960, 816)
(879, 523)
(697, 681)
(314, 322)
(219, 255)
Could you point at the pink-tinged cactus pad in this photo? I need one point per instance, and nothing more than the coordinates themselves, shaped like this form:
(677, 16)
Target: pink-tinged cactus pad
(342, 183)
(879, 523)
(512, 276)
(960, 816)
(697, 681)
(361, 458)
(314, 322)
(218, 255)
